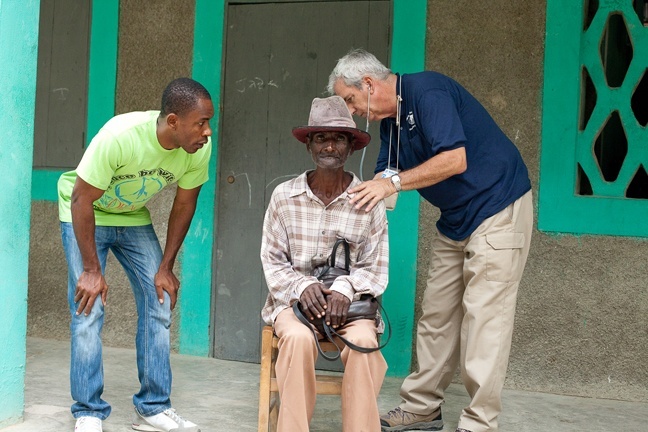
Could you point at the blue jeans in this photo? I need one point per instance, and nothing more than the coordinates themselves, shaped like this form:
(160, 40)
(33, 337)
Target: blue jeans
(138, 251)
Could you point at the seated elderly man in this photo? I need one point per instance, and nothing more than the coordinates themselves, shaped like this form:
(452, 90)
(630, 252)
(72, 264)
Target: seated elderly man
(305, 217)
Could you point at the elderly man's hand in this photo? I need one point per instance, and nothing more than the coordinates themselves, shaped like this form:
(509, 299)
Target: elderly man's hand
(338, 307)
(313, 300)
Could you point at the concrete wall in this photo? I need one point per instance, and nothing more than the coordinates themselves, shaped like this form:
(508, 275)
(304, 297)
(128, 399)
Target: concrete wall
(155, 46)
(18, 46)
(582, 314)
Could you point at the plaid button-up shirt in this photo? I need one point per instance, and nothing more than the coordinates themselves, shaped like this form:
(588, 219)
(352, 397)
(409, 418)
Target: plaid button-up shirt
(299, 232)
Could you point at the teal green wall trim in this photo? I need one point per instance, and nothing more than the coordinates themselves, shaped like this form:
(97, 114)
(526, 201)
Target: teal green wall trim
(18, 46)
(43, 186)
(408, 55)
(560, 96)
(102, 84)
(195, 298)
(568, 49)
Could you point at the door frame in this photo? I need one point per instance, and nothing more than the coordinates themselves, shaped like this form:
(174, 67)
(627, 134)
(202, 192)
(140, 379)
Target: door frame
(408, 53)
(262, 72)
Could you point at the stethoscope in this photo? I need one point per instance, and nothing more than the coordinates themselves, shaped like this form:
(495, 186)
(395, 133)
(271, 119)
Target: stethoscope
(399, 99)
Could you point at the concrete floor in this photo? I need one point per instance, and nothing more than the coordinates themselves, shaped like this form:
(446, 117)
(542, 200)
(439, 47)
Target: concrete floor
(223, 395)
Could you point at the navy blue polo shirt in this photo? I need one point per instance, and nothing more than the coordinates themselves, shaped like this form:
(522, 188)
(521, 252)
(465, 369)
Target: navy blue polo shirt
(437, 115)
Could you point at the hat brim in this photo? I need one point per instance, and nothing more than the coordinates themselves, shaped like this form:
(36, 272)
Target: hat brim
(361, 138)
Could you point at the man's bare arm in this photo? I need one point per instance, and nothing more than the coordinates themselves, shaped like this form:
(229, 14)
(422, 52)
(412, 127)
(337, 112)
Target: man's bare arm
(433, 171)
(182, 211)
(91, 282)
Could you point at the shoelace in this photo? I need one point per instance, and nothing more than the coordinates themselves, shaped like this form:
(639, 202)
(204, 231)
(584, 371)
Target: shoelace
(397, 413)
(174, 416)
(404, 416)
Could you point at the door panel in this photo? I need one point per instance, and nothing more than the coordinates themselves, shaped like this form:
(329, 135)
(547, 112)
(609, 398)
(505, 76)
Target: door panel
(278, 58)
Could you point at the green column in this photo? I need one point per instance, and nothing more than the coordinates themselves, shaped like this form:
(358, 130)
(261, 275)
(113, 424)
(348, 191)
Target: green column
(408, 55)
(195, 304)
(18, 51)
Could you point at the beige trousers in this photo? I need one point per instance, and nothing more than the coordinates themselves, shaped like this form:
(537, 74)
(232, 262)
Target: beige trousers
(295, 369)
(467, 316)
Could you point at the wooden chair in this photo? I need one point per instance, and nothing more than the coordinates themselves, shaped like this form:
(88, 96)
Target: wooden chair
(268, 390)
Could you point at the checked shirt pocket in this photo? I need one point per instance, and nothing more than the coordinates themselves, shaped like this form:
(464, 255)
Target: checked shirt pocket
(503, 256)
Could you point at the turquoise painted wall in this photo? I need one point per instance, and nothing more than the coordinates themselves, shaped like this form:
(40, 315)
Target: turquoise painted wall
(18, 46)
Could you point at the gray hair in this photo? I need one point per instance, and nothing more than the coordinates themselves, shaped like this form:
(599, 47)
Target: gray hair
(355, 65)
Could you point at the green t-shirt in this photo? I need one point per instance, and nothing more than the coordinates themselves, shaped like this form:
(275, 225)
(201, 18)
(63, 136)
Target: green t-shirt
(126, 160)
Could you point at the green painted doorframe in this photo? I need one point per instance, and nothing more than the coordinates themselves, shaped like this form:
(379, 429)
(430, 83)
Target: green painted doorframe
(408, 50)
(197, 275)
(408, 55)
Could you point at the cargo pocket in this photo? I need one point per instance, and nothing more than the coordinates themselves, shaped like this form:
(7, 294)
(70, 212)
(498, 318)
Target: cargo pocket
(503, 256)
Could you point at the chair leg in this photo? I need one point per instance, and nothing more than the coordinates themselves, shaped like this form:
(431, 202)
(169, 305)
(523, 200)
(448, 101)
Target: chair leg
(275, 402)
(264, 380)
(269, 401)
(274, 412)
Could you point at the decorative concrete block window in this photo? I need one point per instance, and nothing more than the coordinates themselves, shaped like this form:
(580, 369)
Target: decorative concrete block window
(594, 154)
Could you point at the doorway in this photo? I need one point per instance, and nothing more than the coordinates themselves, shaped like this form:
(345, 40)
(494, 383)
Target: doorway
(278, 57)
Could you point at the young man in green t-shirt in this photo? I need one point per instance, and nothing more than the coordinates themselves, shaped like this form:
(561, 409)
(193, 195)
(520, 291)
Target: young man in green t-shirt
(102, 208)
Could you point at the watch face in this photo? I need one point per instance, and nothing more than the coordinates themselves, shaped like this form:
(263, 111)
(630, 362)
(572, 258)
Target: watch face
(396, 181)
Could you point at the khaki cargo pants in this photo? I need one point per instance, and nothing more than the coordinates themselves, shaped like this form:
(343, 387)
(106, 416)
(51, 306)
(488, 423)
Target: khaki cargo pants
(467, 316)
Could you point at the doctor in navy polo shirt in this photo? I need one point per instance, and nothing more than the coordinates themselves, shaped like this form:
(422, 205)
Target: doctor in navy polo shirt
(442, 142)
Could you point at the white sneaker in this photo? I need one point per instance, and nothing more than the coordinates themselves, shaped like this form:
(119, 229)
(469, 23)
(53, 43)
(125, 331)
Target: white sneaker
(88, 424)
(167, 421)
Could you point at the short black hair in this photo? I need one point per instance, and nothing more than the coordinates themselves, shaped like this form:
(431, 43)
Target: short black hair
(181, 95)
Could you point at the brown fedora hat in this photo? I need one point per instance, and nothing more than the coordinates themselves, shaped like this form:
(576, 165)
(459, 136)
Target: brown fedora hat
(331, 115)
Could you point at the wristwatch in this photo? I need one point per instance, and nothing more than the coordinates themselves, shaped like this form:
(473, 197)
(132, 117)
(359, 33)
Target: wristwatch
(395, 179)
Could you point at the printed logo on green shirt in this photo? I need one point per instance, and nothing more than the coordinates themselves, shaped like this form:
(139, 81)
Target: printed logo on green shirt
(130, 192)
